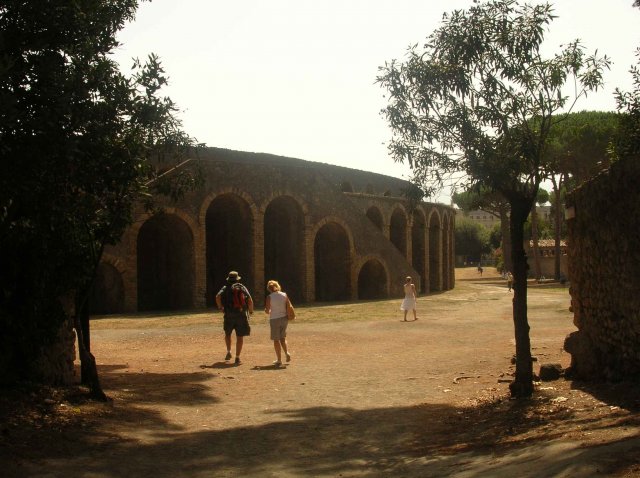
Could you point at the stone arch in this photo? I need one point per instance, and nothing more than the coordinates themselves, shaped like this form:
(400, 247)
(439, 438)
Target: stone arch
(107, 293)
(332, 253)
(373, 282)
(165, 263)
(229, 241)
(284, 245)
(204, 206)
(418, 246)
(375, 216)
(398, 229)
(435, 262)
(144, 217)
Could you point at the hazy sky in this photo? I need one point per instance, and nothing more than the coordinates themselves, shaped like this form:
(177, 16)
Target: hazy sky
(297, 77)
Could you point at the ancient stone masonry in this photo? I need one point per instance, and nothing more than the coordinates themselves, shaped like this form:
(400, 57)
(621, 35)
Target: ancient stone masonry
(604, 270)
(326, 233)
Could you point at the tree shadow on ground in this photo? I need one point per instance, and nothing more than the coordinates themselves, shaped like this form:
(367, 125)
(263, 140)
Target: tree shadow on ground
(144, 387)
(625, 395)
(496, 438)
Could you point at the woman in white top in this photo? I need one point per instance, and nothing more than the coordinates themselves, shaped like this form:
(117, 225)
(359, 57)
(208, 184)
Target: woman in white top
(276, 307)
(409, 302)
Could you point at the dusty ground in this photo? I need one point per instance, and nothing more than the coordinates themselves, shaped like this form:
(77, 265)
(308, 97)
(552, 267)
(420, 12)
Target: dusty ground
(365, 395)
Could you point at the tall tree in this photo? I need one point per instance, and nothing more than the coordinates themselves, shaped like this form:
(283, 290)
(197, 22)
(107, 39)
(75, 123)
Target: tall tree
(579, 146)
(464, 102)
(79, 141)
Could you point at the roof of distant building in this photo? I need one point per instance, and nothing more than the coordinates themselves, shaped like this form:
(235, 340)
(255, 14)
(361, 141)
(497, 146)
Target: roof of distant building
(548, 243)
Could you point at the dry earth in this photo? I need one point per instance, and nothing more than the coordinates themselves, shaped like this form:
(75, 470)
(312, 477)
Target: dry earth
(365, 395)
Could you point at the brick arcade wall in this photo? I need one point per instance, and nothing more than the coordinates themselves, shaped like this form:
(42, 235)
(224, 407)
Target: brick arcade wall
(604, 270)
(317, 190)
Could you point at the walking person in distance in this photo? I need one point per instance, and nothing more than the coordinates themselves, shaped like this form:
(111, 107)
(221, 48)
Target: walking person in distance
(278, 305)
(236, 303)
(409, 301)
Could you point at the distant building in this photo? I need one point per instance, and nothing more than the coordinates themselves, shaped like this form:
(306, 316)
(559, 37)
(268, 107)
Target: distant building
(489, 220)
(485, 218)
(547, 253)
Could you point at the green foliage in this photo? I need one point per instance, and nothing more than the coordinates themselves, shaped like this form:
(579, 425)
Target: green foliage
(579, 143)
(499, 260)
(495, 237)
(467, 200)
(627, 143)
(542, 196)
(472, 239)
(545, 229)
(77, 142)
(479, 197)
(463, 101)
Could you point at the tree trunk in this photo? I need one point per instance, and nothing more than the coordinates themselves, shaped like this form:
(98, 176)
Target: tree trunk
(86, 373)
(557, 227)
(506, 237)
(534, 239)
(89, 369)
(88, 366)
(522, 386)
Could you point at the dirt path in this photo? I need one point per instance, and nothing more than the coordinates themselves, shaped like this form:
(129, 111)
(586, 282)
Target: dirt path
(365, 395)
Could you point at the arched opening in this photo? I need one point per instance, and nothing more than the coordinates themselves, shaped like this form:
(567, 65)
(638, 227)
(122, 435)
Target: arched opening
(107, 293)
(434, 253)
(332, 263)
(284, 245)
(229, 233)
(418, 233)
(446, 257)
(375, 216)
(166, 266)
(398, 231)
(372, 281)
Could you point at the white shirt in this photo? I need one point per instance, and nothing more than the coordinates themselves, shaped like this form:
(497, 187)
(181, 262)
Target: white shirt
(278, 305)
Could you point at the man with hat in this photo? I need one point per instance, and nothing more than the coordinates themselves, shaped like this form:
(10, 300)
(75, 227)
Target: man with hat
(236, 303)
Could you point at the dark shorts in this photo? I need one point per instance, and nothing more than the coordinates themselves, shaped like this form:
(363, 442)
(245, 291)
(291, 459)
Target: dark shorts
(237, 322)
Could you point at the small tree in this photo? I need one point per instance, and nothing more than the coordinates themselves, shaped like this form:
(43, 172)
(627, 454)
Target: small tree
(472, 239)
(495, 203)
(479, 98)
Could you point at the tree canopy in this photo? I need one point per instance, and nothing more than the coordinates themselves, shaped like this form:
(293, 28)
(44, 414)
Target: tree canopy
(580, 143)
(472, 239)
(627, 143)
(479, 98)
(77, 142)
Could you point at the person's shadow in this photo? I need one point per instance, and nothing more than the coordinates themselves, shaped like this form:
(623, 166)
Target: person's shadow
(271, 367)
(219, 365)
